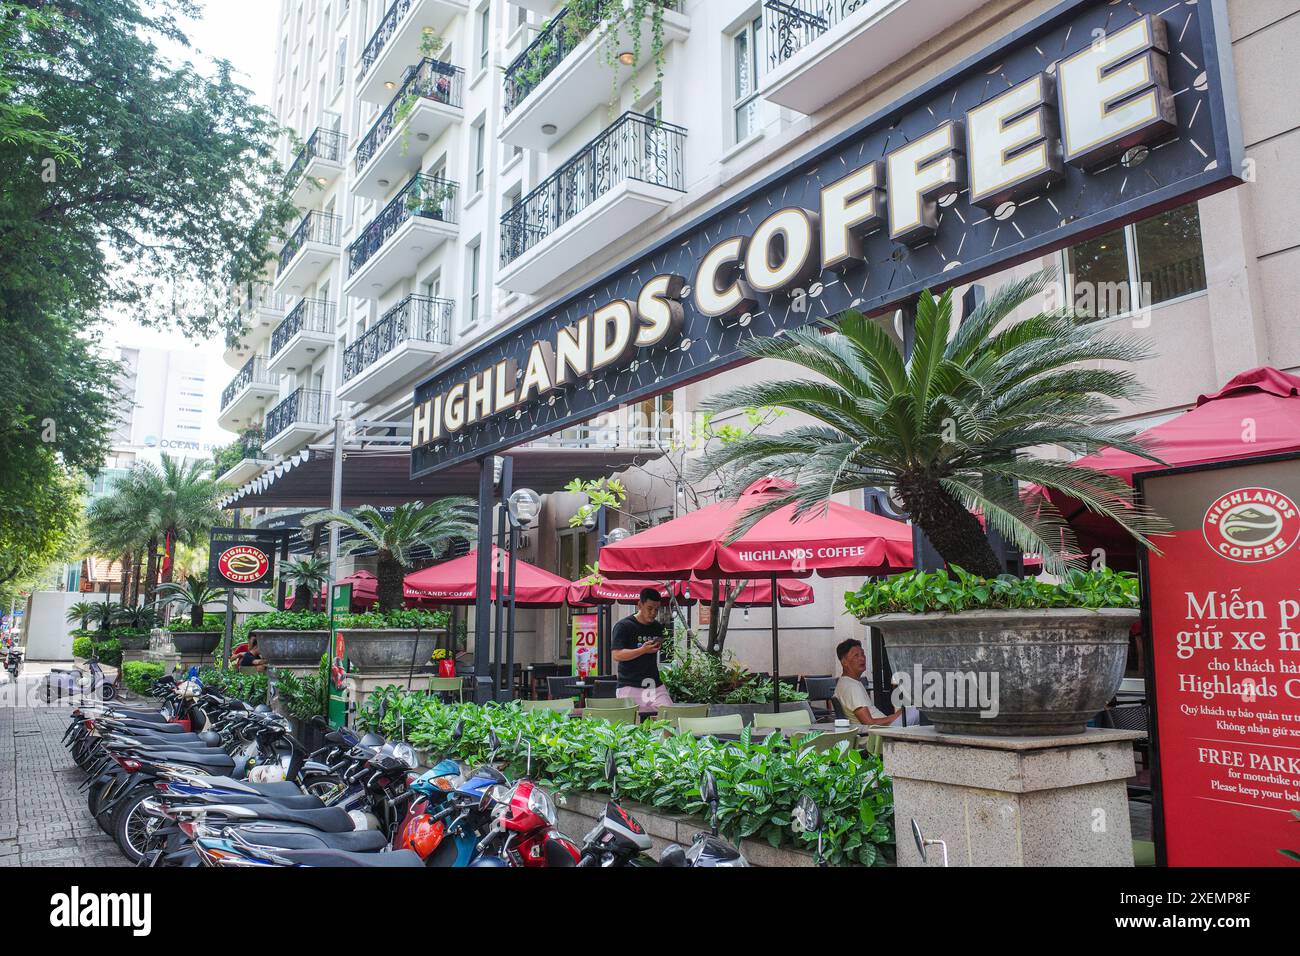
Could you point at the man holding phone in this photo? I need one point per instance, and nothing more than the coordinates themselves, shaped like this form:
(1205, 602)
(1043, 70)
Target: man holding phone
(636, 642)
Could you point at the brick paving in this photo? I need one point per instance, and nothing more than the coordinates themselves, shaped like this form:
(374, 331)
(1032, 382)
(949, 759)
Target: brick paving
(43, 817)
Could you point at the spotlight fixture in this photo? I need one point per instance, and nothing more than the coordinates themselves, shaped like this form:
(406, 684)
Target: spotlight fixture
(550, 129)
(627, 58)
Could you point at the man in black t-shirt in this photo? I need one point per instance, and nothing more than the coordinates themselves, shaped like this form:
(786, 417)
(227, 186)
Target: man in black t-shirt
(636, 642)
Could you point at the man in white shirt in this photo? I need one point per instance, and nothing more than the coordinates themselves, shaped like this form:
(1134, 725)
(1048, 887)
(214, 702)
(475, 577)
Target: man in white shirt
(849, 692)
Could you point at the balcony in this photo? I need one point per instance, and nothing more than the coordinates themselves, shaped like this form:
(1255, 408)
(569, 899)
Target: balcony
(319, 163)
(247, 468)
(400, 41)
(818, 50)
(295, 420)
(245, 394)
(403, 341)
(427, 104)
(615, 183)
(560, 79)
(261, 311)
(419, 219)
(313, 246)
(305, 332)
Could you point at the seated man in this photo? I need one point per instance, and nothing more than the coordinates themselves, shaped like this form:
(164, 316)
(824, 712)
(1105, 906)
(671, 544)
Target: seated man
(636, 641)
(247, 657)
(849, 692)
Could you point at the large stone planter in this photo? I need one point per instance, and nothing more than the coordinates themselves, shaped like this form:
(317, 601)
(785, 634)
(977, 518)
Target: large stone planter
(390, 650)
(190, 643)
(291, 648)
(134, 642)
(1008, 673)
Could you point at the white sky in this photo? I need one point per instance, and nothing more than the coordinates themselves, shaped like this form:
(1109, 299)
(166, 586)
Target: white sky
(243, 32)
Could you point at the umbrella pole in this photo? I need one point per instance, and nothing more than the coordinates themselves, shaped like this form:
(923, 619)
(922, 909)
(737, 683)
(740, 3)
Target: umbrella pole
(776, 656)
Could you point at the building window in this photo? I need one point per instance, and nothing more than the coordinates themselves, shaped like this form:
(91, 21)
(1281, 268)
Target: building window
(745, 59)
(484, 36)
(480, 155)
(1138, 266)
(475, 257)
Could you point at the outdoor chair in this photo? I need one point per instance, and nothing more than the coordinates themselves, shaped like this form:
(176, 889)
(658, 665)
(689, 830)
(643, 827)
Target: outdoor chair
(606, 688)
(612, 715)
(875, 745)
(448, 685)
(541, 672)
(821, 690)
(561, 688)
(562, 706)
(786, 720)
(824, 742)
(611, 703)
(704, 726)
(671, 712)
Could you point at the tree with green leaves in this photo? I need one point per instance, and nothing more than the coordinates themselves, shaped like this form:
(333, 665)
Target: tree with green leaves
(127, 182)
(395, 539)
(951, 428)
(308, 576)
(191, 595)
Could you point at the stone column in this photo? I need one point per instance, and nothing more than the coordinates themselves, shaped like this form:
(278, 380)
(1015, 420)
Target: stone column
(1012, 801)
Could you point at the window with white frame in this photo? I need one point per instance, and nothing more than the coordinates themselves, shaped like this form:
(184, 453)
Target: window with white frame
(475, 267)
(480, 155)
(745, 61)
(1153, 261)
(484, 36)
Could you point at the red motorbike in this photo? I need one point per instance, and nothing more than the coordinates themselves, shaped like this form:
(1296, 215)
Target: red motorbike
(525, 828)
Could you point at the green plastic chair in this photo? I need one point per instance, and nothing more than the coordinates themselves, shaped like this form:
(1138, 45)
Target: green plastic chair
(704, 726)
(671, 712)
(448, 685)
(875, 745)
(611, 715)
(786, 720)
(562, 706)
(824, 742)
(611, 703)
(1144, 853)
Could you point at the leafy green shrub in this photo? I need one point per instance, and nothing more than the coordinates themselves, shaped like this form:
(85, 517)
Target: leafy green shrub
(110, 652)
(211, 622)
(759, 778)
(304, 697)
(758, 690)
(407, 619)
(698, 677)
(918, 592)
(82, 646)
(248, 686)
(140, 675)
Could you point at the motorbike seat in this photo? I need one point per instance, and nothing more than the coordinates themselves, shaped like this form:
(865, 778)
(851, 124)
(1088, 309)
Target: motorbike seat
(303, 801)
(153, 727)
(143, 716)
(397, 858)
(325, 819)
(215, 759)
(358, 841)
(282, 788)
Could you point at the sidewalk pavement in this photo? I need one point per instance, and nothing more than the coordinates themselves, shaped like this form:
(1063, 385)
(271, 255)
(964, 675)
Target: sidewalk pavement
(43, 817)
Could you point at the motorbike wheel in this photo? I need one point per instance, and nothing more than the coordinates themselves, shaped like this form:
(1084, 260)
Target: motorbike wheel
(324, 786)
(133, 825)
(94, 797)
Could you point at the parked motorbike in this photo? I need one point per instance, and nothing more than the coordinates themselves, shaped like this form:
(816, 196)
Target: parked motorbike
(14, 662)
(616, 839)
(706, 849)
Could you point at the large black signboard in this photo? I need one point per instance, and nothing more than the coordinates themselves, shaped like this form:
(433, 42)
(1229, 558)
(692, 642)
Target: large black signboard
(242, 558)
(1096, 114)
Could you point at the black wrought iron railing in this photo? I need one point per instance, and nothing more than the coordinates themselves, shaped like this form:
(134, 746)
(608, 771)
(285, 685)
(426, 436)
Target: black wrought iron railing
(327, 144)
(253, 373)
(565, 32)
(636, 147)
(309, 315)
(793, 24)
(417, 318)
(393, 18)
(429, 79)
(426, 197)
(306, 406)
(315, 227)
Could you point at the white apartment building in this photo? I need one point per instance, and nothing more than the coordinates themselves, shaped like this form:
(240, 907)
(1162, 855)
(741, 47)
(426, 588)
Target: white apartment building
(469, 163)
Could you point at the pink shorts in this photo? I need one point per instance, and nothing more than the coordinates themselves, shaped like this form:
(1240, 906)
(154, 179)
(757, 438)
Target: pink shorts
(650, 698)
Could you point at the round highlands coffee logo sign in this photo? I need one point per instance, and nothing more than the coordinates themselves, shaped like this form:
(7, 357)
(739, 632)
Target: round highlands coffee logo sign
(1251, 525)
(243, 564)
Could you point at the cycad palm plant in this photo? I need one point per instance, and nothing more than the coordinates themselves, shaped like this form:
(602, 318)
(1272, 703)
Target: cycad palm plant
(395, 539)
(308, 576)
(80, 613)
(950, 428)
(191, 594)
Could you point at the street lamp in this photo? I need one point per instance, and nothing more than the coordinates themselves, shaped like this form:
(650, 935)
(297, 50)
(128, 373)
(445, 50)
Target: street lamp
(524, 506)
(616, 535)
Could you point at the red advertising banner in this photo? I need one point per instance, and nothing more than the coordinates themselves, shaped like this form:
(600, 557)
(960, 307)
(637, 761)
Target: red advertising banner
(1224, 619)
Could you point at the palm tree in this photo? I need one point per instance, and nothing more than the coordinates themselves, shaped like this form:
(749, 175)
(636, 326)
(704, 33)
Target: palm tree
(947, 428)
(395, 539)
(191, 595)
(80, 612)
(114, 525)
(307, 575)
(187, 507)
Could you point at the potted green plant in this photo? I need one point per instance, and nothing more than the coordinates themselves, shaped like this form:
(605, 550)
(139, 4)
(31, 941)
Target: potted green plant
(190, 635)
(947, 428)
(393, 638)
(294, 638)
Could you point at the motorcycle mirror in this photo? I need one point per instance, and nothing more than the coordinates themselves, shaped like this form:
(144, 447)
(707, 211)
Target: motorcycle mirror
(708, 788)
(458, 731)
(500, 794)
(320, 723)
(920, 840)
(611, 766)
(383, 709)
(494, 742)
(807, 815)
(673, 855)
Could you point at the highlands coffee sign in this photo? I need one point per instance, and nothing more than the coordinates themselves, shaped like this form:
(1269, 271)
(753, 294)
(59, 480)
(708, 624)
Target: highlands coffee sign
(1096, 114)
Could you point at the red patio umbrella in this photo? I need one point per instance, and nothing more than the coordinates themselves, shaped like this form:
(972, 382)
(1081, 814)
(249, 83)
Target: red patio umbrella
(833, 541)
(793, 592)
(455, 582)
(755, 593)
(1256, 414)
(365, 592)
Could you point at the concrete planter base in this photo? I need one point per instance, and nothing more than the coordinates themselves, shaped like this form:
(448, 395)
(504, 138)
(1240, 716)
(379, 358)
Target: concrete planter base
(291, 648)
(1008, 673)
(386, 651)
